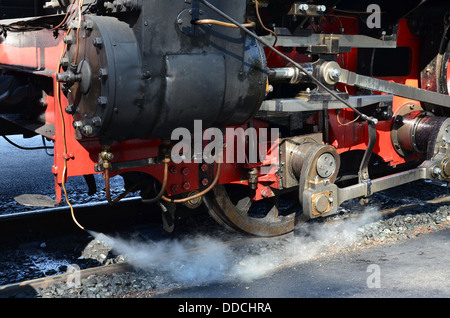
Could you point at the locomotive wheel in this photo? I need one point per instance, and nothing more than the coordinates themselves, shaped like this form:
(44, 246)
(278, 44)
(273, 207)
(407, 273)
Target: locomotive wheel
(446, 86)
(233, 207)
(436, 75)
(443, 77)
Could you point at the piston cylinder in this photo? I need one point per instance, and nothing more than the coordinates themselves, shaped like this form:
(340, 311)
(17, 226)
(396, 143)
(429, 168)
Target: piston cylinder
(315, 160)
(143, 74)
(415, 131)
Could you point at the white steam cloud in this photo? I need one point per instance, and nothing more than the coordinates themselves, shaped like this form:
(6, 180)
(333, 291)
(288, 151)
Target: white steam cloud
(203, 259)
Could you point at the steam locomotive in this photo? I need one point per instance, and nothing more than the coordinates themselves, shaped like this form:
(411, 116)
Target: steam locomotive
(265, 112)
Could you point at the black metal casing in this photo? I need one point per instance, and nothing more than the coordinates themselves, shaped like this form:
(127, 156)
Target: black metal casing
(145, 72)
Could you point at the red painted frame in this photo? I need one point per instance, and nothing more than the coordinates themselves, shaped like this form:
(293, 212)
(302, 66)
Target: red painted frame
(41, 57)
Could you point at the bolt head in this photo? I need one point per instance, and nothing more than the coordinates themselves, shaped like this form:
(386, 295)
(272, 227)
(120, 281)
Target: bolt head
(102, 101)
(437, 171)
(71, 109)
(78, 125)
(97, 42)
(334, 74)
(88, 130)
(96, 121)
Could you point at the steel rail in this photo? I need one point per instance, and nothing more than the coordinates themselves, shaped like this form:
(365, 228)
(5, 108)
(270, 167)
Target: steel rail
(45, 282)
(62, 209)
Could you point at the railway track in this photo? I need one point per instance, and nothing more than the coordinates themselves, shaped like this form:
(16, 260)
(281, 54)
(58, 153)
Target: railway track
(31, 287)
(98, 216)
(22, 288)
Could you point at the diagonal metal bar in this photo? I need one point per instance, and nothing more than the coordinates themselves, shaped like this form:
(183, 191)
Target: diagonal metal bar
(401, 90)
(294, 63)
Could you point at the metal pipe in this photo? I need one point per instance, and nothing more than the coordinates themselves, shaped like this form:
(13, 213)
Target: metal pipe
(195, 196)
(164, 183)
(4, 96)
(288, 74)
(294, 63)
(221, 23)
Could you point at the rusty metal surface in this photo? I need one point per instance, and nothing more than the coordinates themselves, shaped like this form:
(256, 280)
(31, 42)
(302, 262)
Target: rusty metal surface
(35, 200)
(44, 282)
(234, 208)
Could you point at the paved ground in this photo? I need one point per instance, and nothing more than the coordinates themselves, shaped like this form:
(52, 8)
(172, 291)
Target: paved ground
(30, 172)
(411, 268)
(24, 171)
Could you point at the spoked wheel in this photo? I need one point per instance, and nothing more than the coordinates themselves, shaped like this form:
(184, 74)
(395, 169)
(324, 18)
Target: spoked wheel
(446, 73)
(443, 72)
(443, 76)
(233, 207)
(436, 75)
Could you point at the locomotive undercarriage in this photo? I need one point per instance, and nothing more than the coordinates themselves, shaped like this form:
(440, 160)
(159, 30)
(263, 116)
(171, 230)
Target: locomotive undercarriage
(358, 109)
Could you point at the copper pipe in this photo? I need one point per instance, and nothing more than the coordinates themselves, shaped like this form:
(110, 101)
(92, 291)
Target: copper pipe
(75, 60)
(221, 23)
(63, 135)
(265, 28)
(195, 196)
(164, 184)
(65, 17)
(108, 191)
